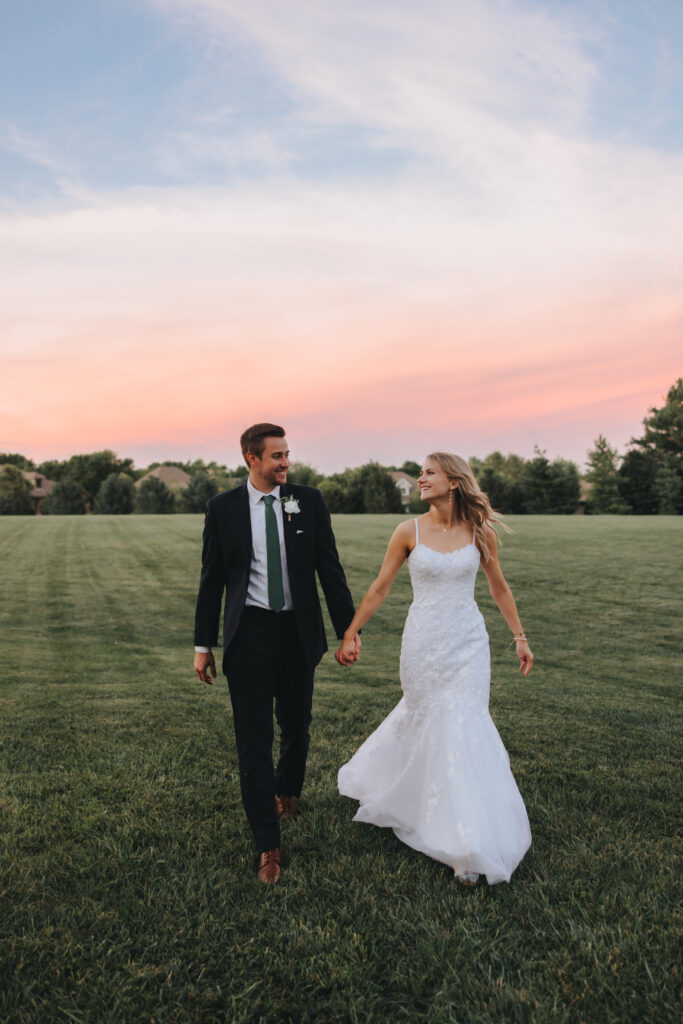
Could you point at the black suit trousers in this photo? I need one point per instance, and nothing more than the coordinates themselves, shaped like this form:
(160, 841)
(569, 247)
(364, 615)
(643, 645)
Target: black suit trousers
(265, 663)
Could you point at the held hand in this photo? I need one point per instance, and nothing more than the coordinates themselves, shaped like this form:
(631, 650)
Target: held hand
(526, 658)
(348, 651)
(203, 664)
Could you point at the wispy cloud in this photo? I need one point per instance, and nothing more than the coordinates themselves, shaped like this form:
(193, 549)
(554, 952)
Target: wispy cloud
(506, 269)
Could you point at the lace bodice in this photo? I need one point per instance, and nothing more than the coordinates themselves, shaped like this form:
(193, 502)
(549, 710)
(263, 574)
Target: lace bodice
(443, 579)
(444, 653)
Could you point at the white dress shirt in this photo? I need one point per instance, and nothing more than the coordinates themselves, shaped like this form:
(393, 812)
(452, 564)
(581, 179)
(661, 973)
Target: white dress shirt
(257, 590)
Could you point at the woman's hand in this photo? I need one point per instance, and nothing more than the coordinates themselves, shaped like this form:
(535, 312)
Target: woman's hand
(348, 650)
(526, 658)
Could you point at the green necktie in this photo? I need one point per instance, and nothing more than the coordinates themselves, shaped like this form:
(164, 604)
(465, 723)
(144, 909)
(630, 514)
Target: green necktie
(276, 591)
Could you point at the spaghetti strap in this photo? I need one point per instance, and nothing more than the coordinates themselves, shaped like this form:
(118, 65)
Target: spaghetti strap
(417, 534)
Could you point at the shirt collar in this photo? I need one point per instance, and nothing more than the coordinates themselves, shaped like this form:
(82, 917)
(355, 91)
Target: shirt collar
(256, 495)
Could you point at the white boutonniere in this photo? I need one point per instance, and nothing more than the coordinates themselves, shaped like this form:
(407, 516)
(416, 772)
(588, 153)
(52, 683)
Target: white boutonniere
(291, 507)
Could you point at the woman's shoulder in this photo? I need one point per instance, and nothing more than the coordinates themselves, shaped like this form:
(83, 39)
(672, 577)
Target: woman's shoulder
(407, 526)
(405, 532)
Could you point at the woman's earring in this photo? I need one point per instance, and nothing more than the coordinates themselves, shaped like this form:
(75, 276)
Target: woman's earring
(451, 496)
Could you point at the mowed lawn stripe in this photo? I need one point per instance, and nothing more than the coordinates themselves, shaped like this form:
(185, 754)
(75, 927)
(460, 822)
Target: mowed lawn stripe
(127, 888)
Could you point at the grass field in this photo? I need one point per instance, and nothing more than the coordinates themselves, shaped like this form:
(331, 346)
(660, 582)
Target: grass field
(126, 870)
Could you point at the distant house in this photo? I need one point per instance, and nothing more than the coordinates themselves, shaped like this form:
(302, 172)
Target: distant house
(40, 486)
(406, 484)
(175, 478)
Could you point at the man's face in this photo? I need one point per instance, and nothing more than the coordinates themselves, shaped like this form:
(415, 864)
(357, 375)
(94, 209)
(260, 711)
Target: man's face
(270, 470)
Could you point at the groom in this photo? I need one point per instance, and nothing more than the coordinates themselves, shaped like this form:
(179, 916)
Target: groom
(264, 542)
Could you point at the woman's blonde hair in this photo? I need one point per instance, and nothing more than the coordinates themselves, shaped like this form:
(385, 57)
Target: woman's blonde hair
(469, 501)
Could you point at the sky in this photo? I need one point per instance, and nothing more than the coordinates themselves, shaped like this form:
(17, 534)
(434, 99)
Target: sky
(392, 227)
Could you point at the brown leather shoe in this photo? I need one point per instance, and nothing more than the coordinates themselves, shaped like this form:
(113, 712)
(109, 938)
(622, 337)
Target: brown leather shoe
(269, 866)
(285, 806)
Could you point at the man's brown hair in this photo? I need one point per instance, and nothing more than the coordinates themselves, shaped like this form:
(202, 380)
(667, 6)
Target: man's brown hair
(252, 440)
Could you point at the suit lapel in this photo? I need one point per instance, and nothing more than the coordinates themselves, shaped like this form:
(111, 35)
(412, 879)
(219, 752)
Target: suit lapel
(290, 531)
(244, 526)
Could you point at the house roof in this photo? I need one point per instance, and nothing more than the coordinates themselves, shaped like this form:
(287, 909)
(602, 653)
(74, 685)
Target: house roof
(397, 475)
(40, 485)
(174, 477)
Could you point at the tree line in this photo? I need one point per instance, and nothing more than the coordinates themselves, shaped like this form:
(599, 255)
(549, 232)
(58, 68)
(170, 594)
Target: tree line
(646, 480)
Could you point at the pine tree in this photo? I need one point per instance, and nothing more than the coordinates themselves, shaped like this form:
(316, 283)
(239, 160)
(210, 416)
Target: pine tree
(663, 440)
(604, 475)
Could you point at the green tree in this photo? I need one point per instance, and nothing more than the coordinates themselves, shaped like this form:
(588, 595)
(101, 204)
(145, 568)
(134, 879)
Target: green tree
(565, 489)
(416, 504)
(511, 466)
(195, 496)
(664, 427)
(549, 488)
(476, 465)
(603, 473)
(411, 468)
(636, 481)
(53, 469)
(15, 493)
(367, 488)
(115, 495)
(333, 494)
(153, 497)
(380, 493)
(14, 459)
(498, 476)
(535, 484)
(351, 488)
(663, 439)
(497, 486)
(303, 473)
(167, 462)
(668, 486)
(93, 469)
(65, 499)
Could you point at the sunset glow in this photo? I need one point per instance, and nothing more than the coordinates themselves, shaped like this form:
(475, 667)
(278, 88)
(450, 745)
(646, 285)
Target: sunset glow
(389, 228)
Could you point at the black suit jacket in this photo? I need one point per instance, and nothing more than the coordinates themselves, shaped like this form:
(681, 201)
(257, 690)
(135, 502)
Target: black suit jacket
(310, 549)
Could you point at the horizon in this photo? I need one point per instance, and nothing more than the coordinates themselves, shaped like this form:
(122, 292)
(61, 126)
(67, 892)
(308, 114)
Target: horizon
(238, 462)
(145, 460)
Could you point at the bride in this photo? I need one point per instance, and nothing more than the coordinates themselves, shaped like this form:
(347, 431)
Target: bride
(436, 770)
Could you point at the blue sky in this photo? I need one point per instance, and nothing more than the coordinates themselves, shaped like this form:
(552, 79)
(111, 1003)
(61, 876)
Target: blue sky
(106, 94)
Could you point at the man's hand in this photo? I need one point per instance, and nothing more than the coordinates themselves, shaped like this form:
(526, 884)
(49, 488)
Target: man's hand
(203, 664)
(348, 650)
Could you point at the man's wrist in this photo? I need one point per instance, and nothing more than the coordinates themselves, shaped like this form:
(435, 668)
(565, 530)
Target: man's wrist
(202, 650)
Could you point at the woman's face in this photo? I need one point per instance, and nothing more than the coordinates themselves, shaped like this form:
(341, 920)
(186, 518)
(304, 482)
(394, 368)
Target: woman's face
(433, 482)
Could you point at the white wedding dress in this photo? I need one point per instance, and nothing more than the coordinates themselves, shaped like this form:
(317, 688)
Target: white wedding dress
(436, 770)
